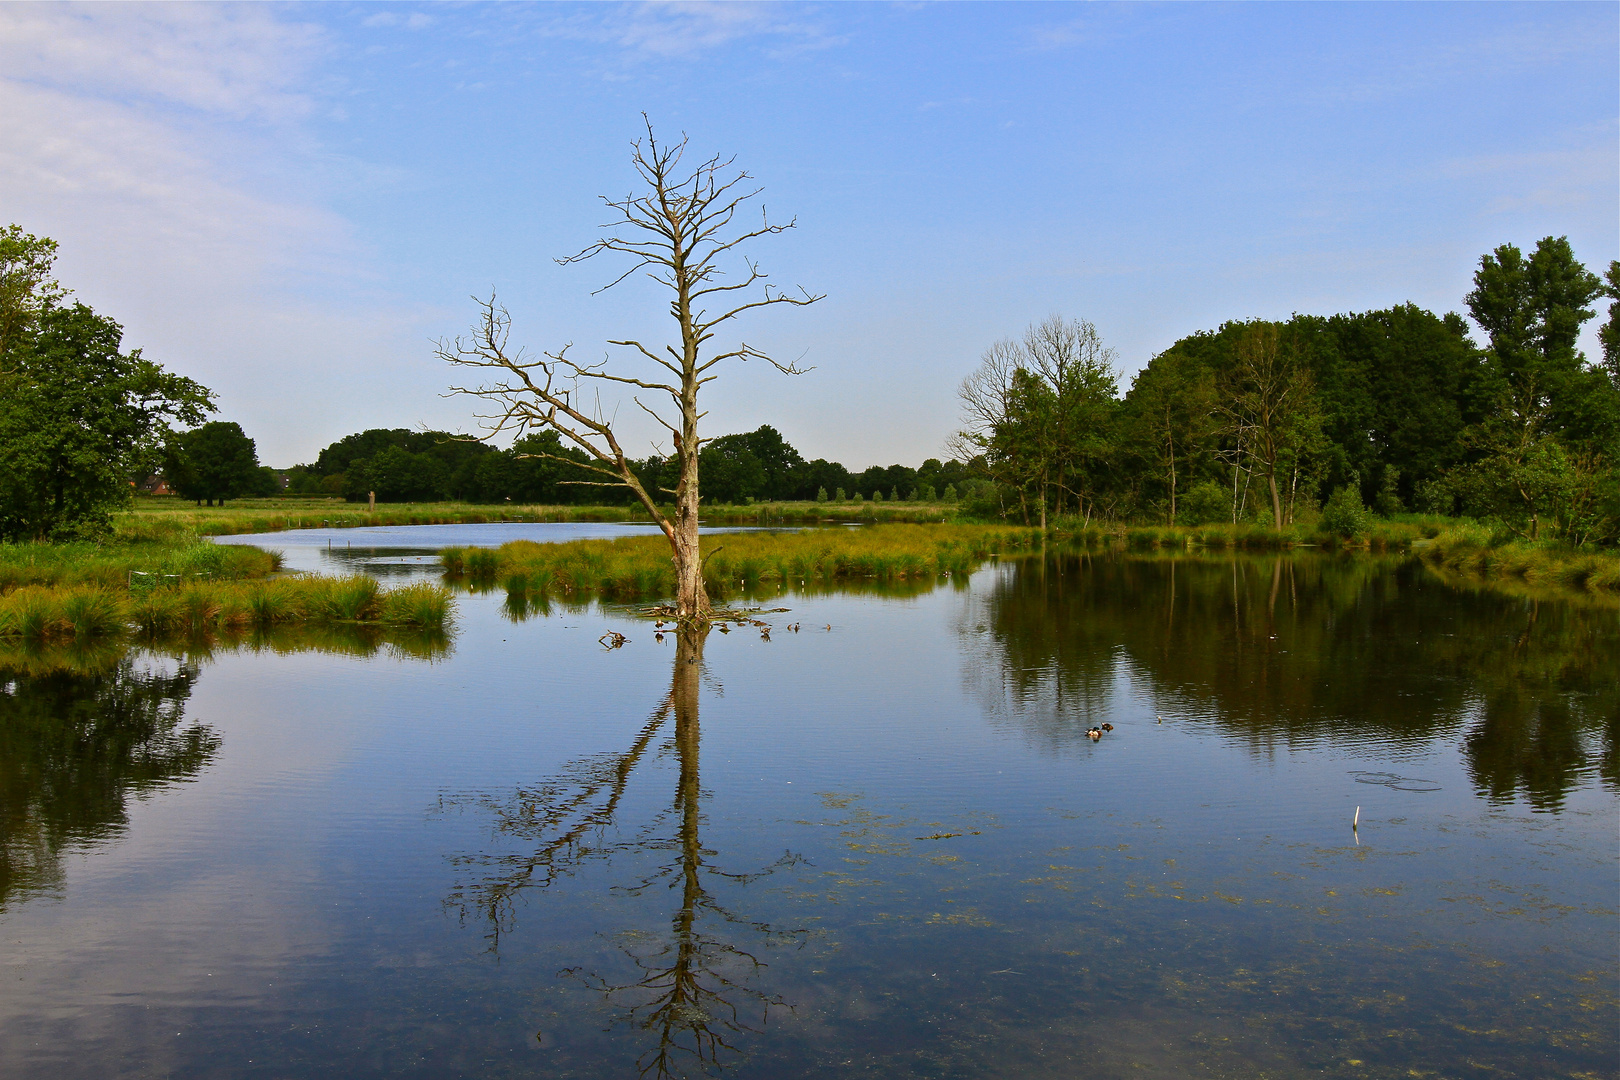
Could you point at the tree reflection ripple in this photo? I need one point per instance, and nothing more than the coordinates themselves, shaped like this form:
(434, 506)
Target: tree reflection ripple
(1297, 649)
(693, 992)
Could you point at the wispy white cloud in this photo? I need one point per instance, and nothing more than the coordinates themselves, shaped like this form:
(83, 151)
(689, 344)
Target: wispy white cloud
(167, 149)
(234, 61)
(692, 27)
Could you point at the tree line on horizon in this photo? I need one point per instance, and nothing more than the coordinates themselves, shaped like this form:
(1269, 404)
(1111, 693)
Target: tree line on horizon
(1319, 418)
(1314, 419)
(401, 465)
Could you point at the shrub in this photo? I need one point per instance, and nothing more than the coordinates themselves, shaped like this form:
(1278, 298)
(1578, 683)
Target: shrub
(1344, 515)
(821, 494)
(1207, 503)
(950, 493)
(840, 495)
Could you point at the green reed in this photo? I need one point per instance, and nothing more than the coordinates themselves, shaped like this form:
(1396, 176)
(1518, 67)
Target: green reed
(638, 567)
(82, 612)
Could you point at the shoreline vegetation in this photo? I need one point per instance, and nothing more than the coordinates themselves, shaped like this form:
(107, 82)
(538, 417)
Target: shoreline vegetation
(161, 575)
(81, 591)
(639, 567)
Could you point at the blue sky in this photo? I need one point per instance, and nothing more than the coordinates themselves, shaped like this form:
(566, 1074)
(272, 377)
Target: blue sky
(290, 202)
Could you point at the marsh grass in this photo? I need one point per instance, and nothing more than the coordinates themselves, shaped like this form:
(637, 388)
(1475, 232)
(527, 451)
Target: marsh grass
(164, 519)
(1479, 552)
(80, 612)
(736, 563)
(137, 567)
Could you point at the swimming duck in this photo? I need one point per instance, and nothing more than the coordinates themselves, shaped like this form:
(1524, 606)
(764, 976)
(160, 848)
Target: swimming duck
(1108, 727)
(1094, 734)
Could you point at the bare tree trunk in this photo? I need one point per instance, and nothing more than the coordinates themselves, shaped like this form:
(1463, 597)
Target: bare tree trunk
(675, 232)
(1276, 499)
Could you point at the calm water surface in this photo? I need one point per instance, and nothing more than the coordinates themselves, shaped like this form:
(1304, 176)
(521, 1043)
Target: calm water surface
(392, 551)
(879, 845)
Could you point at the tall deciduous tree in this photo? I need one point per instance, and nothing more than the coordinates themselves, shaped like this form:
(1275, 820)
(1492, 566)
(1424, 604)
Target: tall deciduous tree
(1040, 411)
(79, 419)
(1172, 418)
(1549, 441)
(26, 286)
(1609, 335)
(681, 232)
(215, 461)
(1269, 401)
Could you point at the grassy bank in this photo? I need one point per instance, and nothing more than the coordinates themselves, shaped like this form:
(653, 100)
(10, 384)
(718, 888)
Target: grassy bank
(1380, 534)
(130, 566)
(169, 519)
(1473, 551)
(639, 567)
(86, 611)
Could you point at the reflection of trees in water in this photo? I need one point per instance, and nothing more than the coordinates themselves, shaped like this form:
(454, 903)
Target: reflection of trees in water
(74, 745)
(692, 993)
(1293, 648)
(84, 726)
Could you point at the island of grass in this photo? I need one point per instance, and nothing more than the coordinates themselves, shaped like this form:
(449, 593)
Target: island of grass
(82, 591)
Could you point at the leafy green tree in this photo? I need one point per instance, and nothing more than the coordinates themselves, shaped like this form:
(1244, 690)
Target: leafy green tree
(1171, 419)
(216, 461)
(27, 288)
(1552, 433)
(79, 422)
(1532, 309)
(1269, 401)
(731, 471)
(1609, 335)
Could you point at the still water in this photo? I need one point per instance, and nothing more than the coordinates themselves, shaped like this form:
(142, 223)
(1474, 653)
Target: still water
(878, 845)
(393, 551)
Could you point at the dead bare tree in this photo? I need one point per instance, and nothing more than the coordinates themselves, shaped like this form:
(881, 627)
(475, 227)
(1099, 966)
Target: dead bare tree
(679, 232)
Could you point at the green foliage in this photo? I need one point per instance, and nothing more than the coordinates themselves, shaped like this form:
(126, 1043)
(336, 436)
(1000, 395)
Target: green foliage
(1206, 503)
(980, 499)
(1344, 515)
(81, 612)
(79, 419)
(950, 493)
(215, 461)
(839, 495)
(821, 494)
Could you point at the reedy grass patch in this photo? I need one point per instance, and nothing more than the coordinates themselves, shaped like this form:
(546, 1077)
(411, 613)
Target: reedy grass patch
(83, 612)
(638, 567)
(136, 567)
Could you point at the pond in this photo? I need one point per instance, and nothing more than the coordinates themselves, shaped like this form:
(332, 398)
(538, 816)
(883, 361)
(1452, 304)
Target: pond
(1348, 821)
(393, 551)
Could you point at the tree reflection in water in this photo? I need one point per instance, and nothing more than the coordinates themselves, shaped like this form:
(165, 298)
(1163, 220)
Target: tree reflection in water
(1297, 648)
(694, 991)
(75, 745)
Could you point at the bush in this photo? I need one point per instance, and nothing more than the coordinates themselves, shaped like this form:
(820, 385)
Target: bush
(840, 496)
(950, 493)
(1344, 515)
(980, 499)
(1208, 503)
(821, 494)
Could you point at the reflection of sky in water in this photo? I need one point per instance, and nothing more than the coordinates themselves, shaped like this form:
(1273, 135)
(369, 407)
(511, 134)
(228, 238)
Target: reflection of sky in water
(960, 883)
(394, 551)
